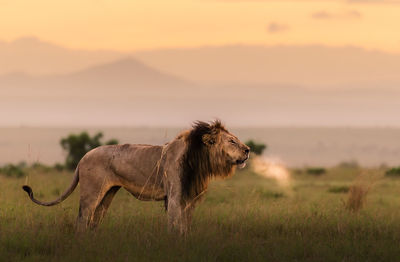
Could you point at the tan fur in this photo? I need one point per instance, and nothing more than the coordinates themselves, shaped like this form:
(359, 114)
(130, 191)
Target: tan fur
(177, 172)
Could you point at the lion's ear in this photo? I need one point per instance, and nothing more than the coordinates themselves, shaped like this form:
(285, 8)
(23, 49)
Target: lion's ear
(208, 139)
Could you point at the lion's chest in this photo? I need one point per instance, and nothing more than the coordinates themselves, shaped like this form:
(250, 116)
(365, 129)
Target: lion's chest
(136, 166)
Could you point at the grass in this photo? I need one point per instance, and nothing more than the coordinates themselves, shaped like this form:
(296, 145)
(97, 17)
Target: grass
(339, 189)
(246, 218)
(357, 197)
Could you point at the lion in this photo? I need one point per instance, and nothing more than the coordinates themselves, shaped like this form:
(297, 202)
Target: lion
(177, 172)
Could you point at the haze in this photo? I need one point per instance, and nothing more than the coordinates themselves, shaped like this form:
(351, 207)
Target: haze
(167, 63)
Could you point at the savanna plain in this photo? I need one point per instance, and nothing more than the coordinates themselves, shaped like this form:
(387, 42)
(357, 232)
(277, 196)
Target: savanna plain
(343, 213)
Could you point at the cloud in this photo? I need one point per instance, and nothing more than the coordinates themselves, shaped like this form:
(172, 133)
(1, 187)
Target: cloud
(274, 27)
(325, 15)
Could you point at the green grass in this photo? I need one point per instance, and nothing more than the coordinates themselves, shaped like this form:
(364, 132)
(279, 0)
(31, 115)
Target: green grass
(245, 218)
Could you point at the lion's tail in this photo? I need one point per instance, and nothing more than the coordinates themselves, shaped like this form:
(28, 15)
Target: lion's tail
(66, 194)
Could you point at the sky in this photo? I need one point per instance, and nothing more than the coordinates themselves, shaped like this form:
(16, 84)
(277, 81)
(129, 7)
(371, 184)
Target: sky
(130, 25)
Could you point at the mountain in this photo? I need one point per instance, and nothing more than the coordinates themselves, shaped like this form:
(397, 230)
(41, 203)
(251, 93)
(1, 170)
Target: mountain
(124, 73)
(124, 92)
(127, 72)
(313, 67)
(242, 85)
(36, 57)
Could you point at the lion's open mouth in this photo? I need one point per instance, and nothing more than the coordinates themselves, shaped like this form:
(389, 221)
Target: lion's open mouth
(241, 163)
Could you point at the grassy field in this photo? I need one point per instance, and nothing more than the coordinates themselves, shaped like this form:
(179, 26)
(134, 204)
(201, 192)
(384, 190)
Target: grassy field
(245, 218)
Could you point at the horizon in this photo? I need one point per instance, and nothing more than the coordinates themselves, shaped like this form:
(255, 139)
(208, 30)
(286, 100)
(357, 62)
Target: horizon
(295, 147)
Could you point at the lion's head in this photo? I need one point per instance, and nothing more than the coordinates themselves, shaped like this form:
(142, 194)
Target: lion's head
(212, 151)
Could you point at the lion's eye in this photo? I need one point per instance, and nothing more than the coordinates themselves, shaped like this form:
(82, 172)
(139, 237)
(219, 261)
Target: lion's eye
(233, 142)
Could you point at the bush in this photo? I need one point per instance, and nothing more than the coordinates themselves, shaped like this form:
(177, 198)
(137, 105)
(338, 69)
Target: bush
(77, 145)
(256, 148)
(394, 172)
(12, 170)
(316, 171)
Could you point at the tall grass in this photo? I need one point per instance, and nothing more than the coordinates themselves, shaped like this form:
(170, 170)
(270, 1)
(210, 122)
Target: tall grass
(246, 218)
(357, 197)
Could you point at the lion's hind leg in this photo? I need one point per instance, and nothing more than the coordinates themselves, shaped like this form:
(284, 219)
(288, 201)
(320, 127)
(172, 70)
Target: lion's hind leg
(92, 196)
(102, 207)
(93, 207)
(86, 211)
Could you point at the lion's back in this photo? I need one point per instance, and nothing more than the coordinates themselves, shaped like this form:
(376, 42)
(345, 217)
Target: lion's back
(122, 155)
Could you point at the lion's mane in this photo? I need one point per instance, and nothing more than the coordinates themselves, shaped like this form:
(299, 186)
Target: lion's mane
(203, 161)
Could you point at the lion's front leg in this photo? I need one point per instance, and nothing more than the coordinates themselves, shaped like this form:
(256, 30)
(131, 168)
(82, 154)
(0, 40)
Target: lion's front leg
(179, 213)
(187, 214)
(172, 181)
(177, 221)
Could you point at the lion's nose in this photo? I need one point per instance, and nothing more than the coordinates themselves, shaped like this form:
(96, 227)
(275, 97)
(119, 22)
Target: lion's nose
(247, 150)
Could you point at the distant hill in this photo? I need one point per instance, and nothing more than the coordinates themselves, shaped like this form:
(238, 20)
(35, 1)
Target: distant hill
(124, 92)
(125, 73)
(36, 57)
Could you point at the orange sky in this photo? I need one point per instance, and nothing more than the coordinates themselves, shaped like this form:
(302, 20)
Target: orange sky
(129, 25)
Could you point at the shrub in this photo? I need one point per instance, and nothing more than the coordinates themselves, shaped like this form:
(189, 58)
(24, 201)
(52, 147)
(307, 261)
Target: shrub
(394, 172)
(77, 145)
(316, 171)
(12, 170)
(256, 148)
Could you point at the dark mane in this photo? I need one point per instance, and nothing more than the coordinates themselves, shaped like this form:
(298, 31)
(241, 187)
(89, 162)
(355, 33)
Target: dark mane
(201, 161)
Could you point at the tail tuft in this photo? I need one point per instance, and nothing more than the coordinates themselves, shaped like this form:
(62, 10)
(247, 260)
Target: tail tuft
(61, 198)
(28, 190)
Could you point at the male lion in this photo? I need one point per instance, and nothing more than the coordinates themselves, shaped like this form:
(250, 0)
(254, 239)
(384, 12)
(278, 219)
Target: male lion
(177, 172)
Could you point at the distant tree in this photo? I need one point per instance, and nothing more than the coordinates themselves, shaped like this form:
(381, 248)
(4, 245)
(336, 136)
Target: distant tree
(256, 148)
(393, 172)
(77, 145)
